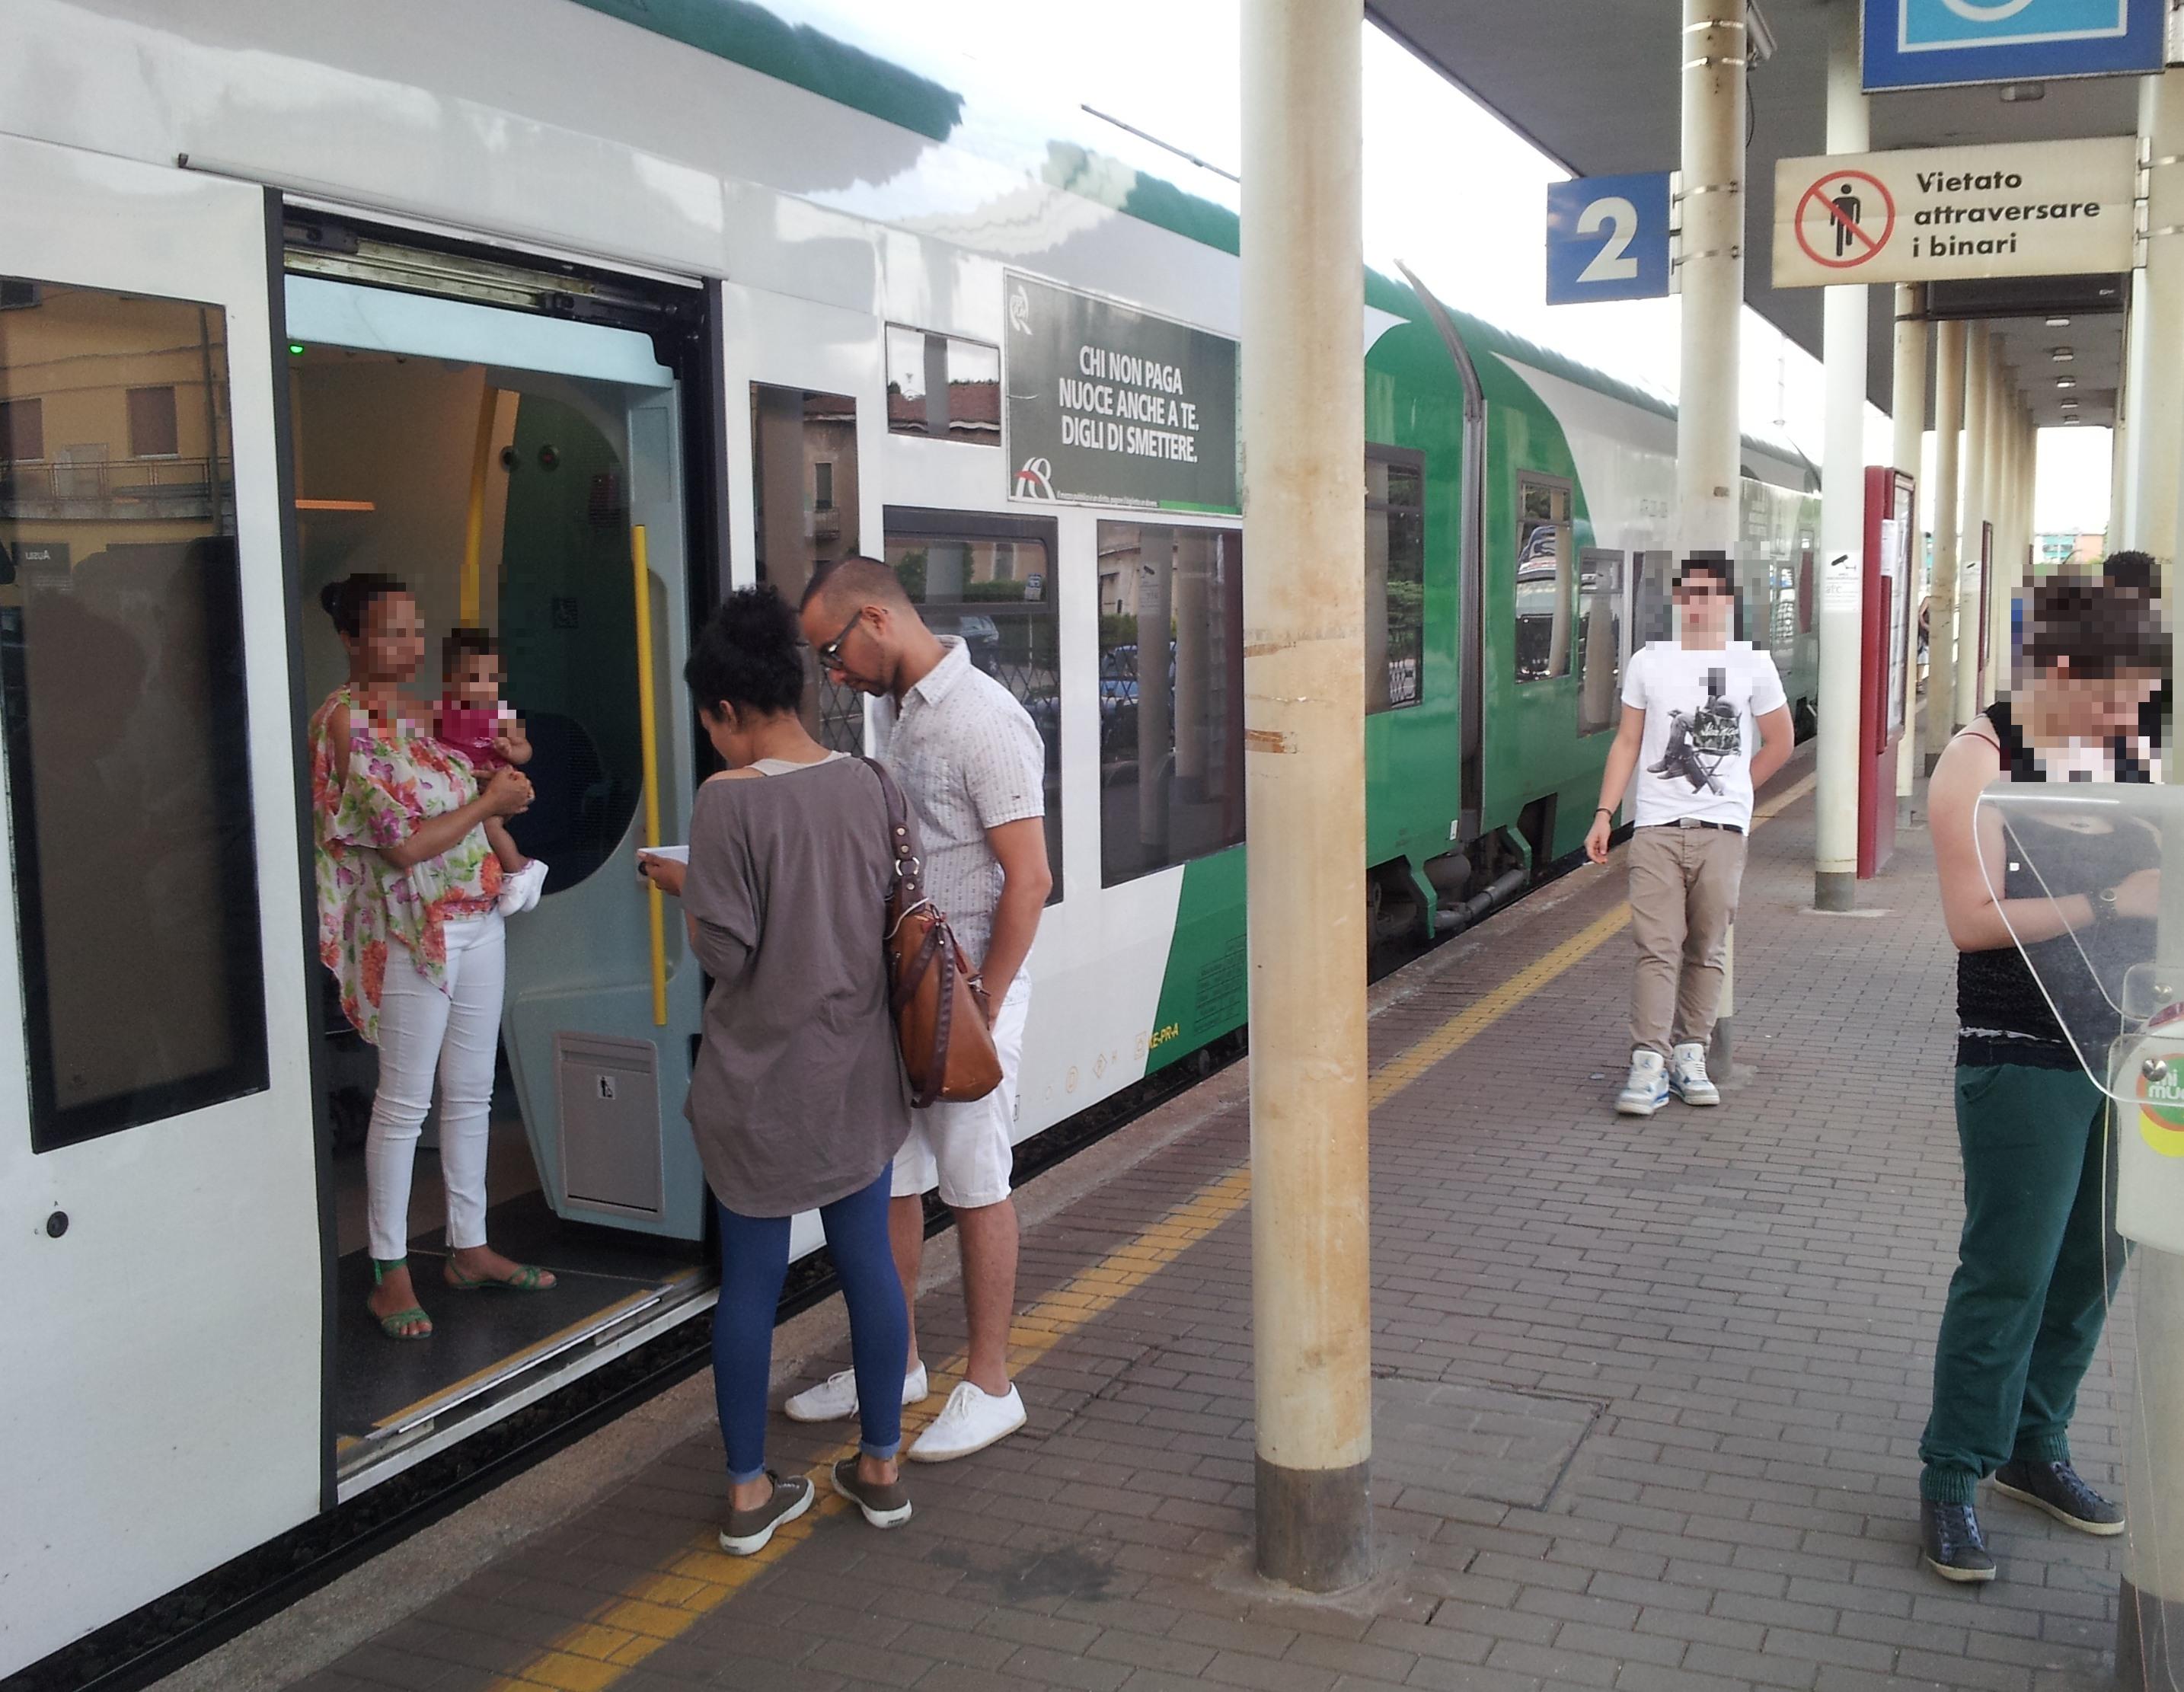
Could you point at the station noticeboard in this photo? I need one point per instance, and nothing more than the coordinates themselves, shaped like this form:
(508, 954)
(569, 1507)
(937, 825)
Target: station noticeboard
(1108, 405)
(1940, 214)
(1939, 43)
(1607, 238)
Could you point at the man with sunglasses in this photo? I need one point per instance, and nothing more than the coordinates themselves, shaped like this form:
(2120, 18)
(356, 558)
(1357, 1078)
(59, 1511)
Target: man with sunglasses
(971, 764)
(1693, 709)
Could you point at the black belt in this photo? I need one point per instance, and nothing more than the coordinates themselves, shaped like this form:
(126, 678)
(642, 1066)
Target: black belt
(1699, 822)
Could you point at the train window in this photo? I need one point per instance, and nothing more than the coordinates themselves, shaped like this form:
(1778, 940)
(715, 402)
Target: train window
(1599, 640)
(1652, 611)
(125, 731)
(1394, 578)
(804, 480)
(1171, 695)
(944, 386)
(1544, 576)
(989, 581)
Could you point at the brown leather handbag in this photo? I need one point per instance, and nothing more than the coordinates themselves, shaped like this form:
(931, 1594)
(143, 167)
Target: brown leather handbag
(941, 1019)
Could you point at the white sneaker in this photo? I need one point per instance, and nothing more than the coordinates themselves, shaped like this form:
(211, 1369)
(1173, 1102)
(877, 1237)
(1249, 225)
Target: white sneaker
(835, 1398)
(521, 891)
(1687, 1076)
(1648, 1089)
(971, 1421)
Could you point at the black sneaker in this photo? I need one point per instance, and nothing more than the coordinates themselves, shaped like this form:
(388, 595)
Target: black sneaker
(1950, 1538)
(2058, 1489)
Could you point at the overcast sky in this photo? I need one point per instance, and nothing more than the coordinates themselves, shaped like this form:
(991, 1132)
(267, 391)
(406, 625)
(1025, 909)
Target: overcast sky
(1450, 191)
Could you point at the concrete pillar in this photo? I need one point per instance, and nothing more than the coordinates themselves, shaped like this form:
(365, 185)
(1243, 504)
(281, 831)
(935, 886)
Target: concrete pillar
(1971, 586)
(1914, 344)
(1942, 613)
(2001, 499)
(1842, 516)
(1710, 278)
(1304, 414)
(2155, 377)
(1710, 275)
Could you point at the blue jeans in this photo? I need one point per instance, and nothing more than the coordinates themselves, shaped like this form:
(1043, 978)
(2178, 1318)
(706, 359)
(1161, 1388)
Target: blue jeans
(754, 1263)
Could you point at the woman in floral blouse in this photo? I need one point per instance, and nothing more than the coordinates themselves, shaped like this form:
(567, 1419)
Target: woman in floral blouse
(409, 925)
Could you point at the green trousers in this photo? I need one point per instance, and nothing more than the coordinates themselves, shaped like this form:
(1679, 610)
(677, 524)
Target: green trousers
(2037, 1264)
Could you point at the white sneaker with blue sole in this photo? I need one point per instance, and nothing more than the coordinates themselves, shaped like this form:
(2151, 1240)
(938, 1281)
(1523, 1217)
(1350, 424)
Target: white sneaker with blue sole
(1687, 1076)
(1648, 1089)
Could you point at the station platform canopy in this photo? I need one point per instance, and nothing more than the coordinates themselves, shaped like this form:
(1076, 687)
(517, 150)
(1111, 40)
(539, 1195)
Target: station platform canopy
(1595, 84)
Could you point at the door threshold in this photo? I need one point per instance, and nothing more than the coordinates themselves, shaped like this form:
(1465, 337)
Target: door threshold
(446, 1416)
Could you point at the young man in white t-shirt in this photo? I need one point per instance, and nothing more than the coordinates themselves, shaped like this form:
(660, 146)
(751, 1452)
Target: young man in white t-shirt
(1693, 709)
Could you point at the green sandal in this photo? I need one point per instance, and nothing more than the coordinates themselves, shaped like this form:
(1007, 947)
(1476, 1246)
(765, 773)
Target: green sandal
(528, 1277)
(391, 1325)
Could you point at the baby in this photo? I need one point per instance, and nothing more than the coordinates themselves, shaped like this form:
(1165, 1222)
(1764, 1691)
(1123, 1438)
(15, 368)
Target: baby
(471, 719)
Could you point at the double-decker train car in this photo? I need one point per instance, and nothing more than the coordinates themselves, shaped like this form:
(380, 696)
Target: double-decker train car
(572, 315)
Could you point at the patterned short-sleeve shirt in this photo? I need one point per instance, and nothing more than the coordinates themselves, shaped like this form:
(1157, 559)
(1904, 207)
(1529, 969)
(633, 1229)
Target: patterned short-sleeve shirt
(968, 757)
(398, 775)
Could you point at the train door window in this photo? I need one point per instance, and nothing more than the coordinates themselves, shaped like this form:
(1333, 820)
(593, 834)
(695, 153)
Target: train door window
(804, 480)
(1394, 578)
(1545, 575)
(943, 387)
(1171, 695)
(989, 581)
(125, 732)
(1652, 604)
(1805, 587)
(1599, 640)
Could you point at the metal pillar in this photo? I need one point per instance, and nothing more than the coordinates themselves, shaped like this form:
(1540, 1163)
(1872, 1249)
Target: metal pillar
(1304, 494)
(1914, 347)
(1942, 610)
(2150, 1609)
(2156, 373)
(2002, 505)
(1710, 281)
(1971, 584)
(1842, 516)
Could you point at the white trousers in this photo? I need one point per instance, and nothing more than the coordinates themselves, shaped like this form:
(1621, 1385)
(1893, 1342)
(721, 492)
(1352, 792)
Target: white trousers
(422, 1029)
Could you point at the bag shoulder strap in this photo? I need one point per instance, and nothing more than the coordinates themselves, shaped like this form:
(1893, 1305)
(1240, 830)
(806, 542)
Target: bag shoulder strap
(909, 878)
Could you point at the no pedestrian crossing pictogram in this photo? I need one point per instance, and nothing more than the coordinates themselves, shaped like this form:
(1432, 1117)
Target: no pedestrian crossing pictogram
(1844, 219)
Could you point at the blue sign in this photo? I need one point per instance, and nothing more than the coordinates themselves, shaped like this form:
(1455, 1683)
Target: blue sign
(1933, 43)
(1607, 238)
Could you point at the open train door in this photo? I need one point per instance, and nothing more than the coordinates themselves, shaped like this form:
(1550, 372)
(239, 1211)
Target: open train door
(160, 1247)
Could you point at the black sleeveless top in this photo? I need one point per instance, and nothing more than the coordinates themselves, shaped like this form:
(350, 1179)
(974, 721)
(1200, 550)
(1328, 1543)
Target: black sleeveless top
(2002, 1016)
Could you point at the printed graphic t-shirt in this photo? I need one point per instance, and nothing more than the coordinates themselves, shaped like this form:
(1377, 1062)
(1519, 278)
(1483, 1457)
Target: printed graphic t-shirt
(1702, 710)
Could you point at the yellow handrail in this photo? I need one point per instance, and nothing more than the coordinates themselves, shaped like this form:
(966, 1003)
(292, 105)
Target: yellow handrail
(647, 730)
(474, 530)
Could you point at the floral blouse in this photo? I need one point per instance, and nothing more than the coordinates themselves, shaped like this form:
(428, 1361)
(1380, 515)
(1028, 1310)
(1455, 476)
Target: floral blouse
(397, 776)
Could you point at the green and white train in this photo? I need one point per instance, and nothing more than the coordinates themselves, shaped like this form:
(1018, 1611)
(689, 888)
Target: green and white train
(574, 313)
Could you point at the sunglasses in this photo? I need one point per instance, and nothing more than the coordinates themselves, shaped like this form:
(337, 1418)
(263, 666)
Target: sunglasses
(830, 655)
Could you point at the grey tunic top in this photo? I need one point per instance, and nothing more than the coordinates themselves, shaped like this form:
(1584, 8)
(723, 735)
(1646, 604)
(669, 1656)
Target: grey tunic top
(798, 1098)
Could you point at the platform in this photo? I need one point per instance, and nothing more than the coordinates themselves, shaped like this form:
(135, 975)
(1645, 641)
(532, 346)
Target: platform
(1649, 1397)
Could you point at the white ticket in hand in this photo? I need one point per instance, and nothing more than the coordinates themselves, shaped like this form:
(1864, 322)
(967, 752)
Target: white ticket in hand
(674, 854)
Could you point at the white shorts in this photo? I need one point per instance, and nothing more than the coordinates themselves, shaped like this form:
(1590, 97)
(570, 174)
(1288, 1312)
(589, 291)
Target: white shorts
(965, 1149)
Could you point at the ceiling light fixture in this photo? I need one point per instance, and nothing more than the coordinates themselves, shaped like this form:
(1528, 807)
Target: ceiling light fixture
(2061, 355)
(2066, 381)
(2059, 323)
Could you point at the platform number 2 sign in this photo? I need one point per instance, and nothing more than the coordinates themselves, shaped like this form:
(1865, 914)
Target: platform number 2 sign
(1607, 238)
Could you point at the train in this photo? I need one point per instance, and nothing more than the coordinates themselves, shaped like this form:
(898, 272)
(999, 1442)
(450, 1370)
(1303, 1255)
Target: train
(573, 315)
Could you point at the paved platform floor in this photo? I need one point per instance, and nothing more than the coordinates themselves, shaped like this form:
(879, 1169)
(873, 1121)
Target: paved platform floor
(1649, 1400)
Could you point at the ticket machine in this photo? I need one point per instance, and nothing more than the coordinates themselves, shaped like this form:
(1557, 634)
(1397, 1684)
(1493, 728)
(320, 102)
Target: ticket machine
(1885, 679)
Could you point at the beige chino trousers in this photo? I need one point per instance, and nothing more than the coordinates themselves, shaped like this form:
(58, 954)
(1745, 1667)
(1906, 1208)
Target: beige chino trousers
(1684, 883)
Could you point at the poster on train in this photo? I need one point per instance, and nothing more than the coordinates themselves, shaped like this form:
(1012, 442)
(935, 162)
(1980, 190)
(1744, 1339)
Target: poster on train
(1109, 406)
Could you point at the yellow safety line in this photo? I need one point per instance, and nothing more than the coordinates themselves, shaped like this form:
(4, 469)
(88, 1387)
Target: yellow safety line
(660, 1607)
(647, 730)
(474, 530)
